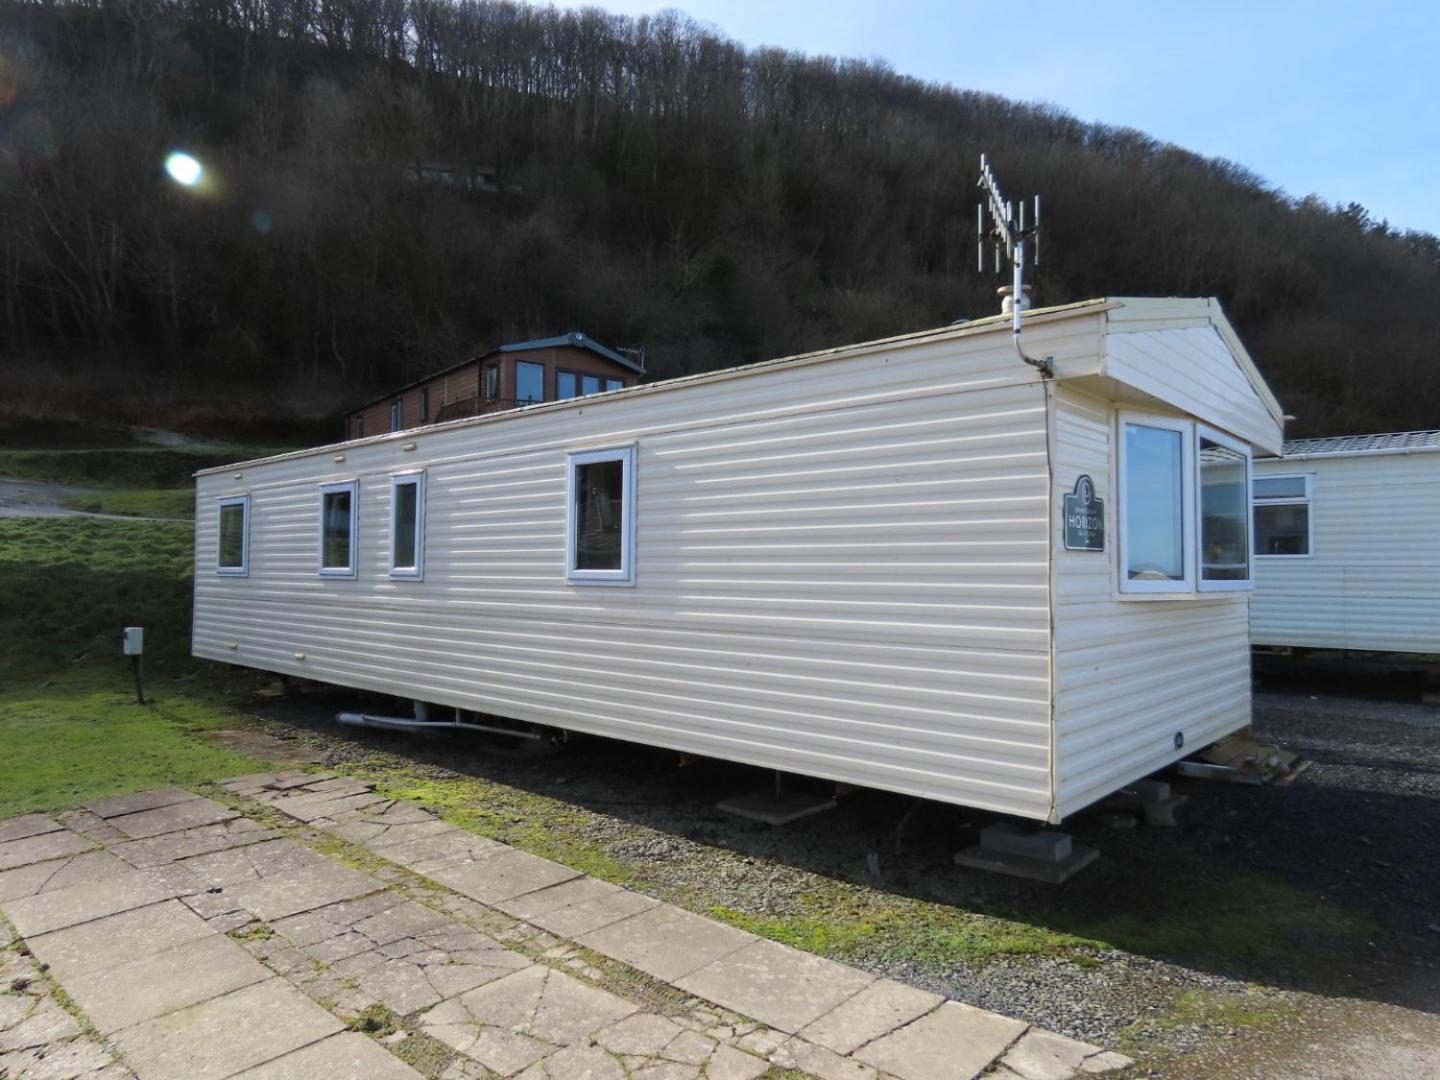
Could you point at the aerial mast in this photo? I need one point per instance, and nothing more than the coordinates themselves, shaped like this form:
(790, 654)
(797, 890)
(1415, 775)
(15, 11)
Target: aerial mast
(1007, 230)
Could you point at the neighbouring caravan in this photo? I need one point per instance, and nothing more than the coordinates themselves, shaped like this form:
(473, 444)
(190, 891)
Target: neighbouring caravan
(915, 564)
(1346, 543)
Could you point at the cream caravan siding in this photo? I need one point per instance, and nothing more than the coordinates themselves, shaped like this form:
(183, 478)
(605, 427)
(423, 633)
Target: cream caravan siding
(842, 571)
(1130, 673)
(1372, 581)
(1192, 369)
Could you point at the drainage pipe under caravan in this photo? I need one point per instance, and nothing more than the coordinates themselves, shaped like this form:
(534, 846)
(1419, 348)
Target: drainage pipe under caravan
(421, 722)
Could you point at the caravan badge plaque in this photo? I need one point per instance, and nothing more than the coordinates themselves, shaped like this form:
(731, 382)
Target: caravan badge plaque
(1084, 518)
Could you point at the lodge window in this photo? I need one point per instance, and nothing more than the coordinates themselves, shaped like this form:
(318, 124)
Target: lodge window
(492, 382)
(397, 415)
(589, 384)
(1282, 516)
(360, 427)
(565, 385)
(338, 506)
(407, 525)
(232, 554)
(529, 381)
(614, 384)
(424, 404)
(1224, 493)
(1183, 524)
(600, 517)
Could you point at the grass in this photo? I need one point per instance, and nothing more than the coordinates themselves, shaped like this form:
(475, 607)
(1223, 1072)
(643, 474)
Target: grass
(149, 467)
(174, 503)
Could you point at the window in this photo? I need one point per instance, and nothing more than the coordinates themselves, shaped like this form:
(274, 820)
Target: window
(614, 384)
(564, 385)
(1224, 511)
(529, 381)
(600, 517)
(424, 404)
(492, 382)
(1282, 515)
(337, 529)
(232, 554)
(590, 384)
(407, 525)
(397, 415)
(360, 426)
(1156, 490)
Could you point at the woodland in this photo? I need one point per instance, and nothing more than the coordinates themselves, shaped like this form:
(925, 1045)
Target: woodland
(655, 184)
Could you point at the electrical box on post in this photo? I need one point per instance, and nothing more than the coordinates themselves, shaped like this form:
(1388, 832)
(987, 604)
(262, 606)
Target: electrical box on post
(133, 641)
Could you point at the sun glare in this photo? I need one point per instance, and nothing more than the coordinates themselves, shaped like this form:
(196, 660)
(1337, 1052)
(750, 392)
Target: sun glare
(184, 169)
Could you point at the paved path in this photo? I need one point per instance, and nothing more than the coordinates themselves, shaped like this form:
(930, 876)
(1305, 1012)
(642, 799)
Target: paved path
(330, 932)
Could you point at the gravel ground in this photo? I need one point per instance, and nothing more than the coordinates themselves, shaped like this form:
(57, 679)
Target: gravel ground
(1266, 905)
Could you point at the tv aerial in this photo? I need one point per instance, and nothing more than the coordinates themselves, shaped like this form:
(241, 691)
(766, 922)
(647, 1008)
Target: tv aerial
(1008, 232)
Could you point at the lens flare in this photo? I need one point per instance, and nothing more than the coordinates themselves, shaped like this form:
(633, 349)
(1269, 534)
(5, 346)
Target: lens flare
(184, 169)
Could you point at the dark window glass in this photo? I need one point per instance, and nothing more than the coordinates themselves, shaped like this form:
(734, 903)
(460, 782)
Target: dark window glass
(599, 509)
(232, 536)
(529, 381)
(407, 525)
(424, 404)
(1224, 523)
(359, 427)
(1282, 529)
(335, 541)
(564, 384)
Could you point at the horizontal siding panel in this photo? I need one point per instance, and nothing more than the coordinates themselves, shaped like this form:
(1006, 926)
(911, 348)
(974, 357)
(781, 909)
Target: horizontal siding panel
(842, 571)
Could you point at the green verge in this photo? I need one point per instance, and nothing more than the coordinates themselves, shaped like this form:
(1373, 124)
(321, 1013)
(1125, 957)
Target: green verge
(174, 503)
(125, 467)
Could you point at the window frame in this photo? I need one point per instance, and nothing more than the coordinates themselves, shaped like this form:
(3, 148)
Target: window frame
(353, 570)
(410, 478)
(1307, 500)
(1189, 506)
(1238, 446)
(535, 364)
(243, 570)
(625, 576)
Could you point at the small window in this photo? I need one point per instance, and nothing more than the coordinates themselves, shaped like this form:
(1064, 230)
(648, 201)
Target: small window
(397, 415)
(232, 555)
(407, 525)
(600, 518)
(564, 385)
(1224, 512)
(492, 382)
(590, 384)
(1156, 485)
(529, 381)
(338, 505)
(360, 426)
(424, 404)
(614, 384)
(1282, 516)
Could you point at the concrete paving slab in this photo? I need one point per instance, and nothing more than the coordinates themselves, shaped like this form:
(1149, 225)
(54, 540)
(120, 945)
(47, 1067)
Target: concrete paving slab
(541, 1004)
(118, 939)
(303, 889)
(387, 836)
(18, 828)
(955, 1042)
(173, 818)
(134, 803)
(1044, 1055)
(506, 1052)
(817, 1061)
(43, 1022)
(452, 846)
(171, 847)
(576, 1063)
(227, 1034)
(878, 1009)
(642, 1033)
(276, 781)
(577, 907)
(89, 866)
(60, 908)
(775, 984)
(321, 924)
(268, 858)
(347, 1056)
(666, 942)
(120, 997)
(506, 874)
(326, 804)
(41, 848)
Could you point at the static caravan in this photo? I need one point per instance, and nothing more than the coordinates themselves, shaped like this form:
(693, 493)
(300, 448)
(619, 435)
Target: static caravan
(916, 564)
(1346, 547)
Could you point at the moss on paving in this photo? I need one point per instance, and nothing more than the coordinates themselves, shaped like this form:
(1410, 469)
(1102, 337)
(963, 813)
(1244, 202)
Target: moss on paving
(174, 503)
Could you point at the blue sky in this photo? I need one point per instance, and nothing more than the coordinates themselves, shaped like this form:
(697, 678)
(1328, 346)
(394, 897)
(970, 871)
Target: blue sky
(1338, 99)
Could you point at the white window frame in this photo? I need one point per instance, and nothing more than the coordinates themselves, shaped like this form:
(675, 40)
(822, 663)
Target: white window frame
(1239, 447)
(1189, 528)
(415, 478)
(1307, 500)
(353, 570)
(625, 576)
(243, 570)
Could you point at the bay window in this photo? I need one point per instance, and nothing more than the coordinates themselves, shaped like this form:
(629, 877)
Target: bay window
(1224, 511)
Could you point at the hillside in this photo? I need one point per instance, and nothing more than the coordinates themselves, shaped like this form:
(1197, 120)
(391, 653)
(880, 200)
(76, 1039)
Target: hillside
(659, 186)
